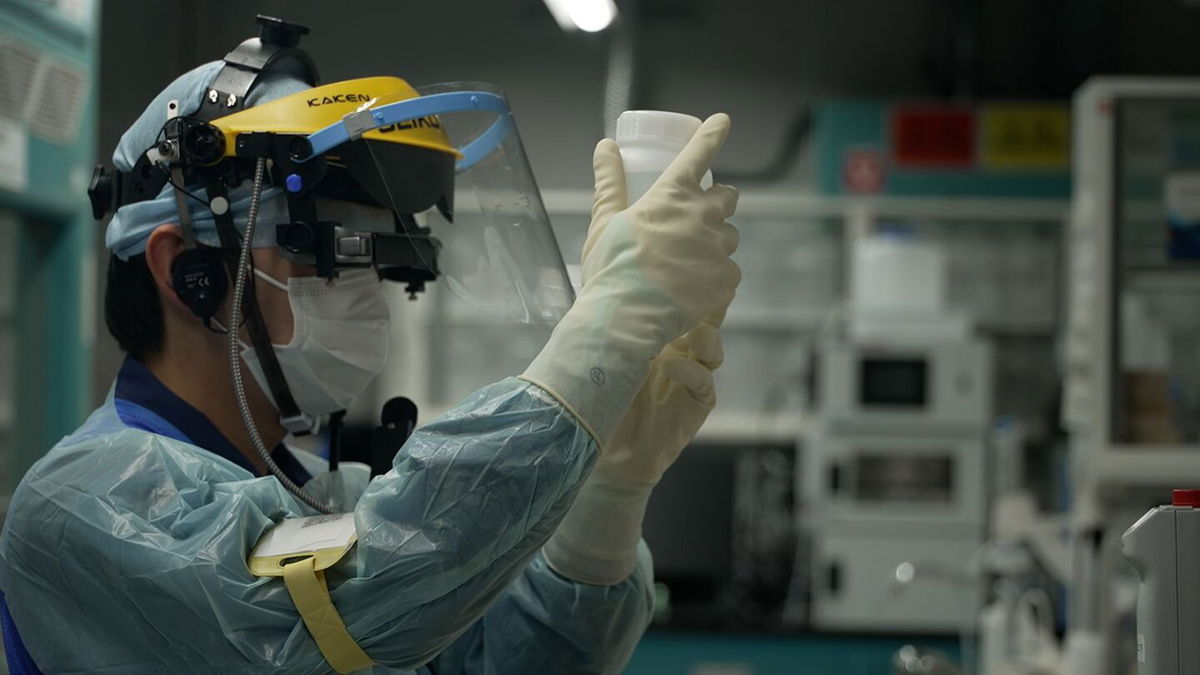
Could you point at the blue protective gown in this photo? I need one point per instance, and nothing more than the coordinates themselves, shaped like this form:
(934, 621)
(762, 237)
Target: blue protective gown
(125, 547)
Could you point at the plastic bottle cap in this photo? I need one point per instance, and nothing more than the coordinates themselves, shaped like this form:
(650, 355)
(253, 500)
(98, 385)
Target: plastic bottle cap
(1186, 498)
(657, 127)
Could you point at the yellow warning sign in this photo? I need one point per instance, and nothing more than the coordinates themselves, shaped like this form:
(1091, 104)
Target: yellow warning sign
(1025, 136)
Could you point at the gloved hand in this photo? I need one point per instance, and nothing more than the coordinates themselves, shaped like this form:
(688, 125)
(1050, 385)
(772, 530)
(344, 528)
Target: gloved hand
(653, 271)
(597, 541)
(668, 410)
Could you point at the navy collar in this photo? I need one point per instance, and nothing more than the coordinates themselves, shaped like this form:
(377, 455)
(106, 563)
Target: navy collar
(139, 392)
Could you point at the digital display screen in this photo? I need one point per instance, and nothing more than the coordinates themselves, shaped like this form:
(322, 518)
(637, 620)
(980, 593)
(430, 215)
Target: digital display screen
(893, 382)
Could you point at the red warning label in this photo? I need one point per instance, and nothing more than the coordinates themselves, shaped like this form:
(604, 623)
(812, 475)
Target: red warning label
(933, 136)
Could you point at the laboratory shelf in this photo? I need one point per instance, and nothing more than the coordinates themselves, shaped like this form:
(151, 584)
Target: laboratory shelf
(1144, 210)
(799, 206)
(802, 320)
(1173, 268)
(785, 320)
(1162, 280)
(1146, 466)
(749, 428)
(1018, 326)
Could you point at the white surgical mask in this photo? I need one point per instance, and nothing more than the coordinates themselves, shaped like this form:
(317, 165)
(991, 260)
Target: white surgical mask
(339, 339)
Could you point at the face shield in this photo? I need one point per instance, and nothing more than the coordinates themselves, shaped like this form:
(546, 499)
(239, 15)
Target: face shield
(447, 162)
(499, 252)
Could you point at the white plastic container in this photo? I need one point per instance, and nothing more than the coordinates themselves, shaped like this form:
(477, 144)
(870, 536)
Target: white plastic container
(994, 639)
(898, 275)
(649, 141)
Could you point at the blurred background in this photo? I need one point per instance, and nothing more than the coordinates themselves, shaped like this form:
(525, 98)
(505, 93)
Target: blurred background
(964, 356)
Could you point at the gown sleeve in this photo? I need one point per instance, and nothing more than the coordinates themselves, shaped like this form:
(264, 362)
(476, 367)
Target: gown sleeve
(125, 551)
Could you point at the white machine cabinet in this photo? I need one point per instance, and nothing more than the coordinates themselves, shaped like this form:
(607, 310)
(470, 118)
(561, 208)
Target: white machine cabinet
(1132, 395)
(856, 588)
(894, 476)
(899, 480)
(1132, 347)
(931, 386)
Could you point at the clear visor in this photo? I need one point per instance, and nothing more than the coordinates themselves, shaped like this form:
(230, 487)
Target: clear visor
(497, 249)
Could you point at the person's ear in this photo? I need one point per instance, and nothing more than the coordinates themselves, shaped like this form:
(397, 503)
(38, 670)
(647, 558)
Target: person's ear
(162, 249)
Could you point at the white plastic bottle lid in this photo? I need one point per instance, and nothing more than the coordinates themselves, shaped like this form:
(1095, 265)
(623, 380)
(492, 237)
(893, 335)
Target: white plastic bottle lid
(659, 128)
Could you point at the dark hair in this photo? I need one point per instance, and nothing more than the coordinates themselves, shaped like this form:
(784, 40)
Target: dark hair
(132, 308)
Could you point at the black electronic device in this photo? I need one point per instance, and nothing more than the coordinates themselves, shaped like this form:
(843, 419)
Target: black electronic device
(198, 277)
(397, 421)
(337, 427)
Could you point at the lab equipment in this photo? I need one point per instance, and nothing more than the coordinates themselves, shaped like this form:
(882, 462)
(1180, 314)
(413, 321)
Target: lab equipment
(1132, 377)
(895, 466)
(905, 384)
(1131, 374)
(1007, 451)
(898, 289)
(652, 271)
(895, 274)
(895, 472)
(995, 635)
(1026, 553)
(910, 660)
(1164, 548)
(650, 140)
(1131, 381)
(397, 421)
(1017, 633)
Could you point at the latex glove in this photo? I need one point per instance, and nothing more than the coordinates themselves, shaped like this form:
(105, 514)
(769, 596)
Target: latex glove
(668, 410)
(653, 271)
(597, 541)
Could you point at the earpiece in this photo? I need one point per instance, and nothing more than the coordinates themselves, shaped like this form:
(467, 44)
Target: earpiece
(198, 276)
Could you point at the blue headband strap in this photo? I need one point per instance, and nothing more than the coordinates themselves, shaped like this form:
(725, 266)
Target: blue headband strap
(434, 104)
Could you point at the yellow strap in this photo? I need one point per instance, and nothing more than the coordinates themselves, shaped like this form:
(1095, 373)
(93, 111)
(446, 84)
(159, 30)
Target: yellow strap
(307, 587)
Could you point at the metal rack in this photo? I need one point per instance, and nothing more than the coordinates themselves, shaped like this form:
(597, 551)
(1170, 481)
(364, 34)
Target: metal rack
(1118, 246)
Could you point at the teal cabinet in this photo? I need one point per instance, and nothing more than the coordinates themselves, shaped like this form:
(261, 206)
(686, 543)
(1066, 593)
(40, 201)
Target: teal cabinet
(671, 653)
(47, 137)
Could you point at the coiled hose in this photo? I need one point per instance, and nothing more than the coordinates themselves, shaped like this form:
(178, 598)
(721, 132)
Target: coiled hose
(242, 273)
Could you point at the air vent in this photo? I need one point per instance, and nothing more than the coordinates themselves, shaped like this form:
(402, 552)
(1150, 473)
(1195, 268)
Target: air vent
(18, 71)
(44, 94)
(55, 112)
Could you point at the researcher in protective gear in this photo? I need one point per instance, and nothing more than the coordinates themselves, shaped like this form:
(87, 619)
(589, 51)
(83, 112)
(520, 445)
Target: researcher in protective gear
(257, 216)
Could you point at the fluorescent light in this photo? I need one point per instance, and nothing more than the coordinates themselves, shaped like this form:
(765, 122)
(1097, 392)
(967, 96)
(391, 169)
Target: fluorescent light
(592, 15)
(586, 15)
(558, 9)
